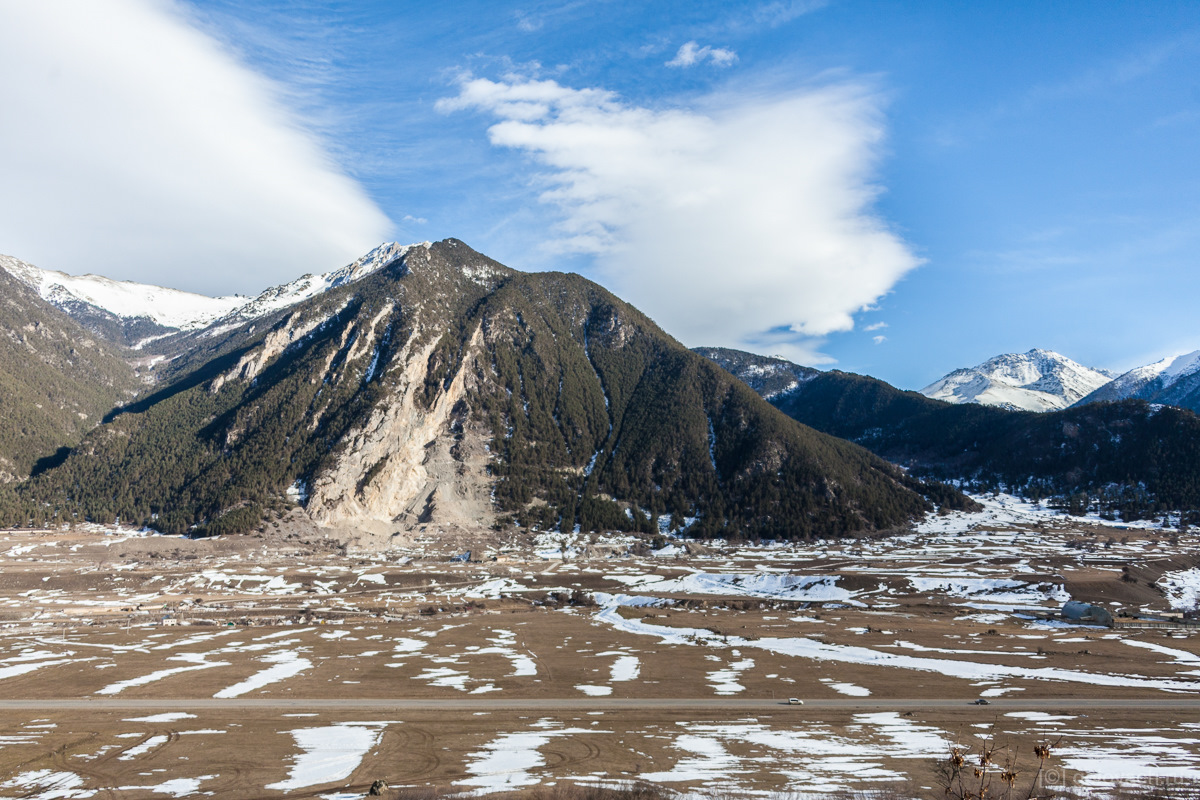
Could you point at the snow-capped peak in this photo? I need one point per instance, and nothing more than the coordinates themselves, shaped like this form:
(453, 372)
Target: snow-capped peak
(170, 308)
(187, 311)
(1172, 381)
(1177, 367)
(307, 286)
(1169, 370)
(1039, 380)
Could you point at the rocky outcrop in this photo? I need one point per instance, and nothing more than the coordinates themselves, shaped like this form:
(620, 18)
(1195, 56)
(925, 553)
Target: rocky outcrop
(294, 328)
(409, 464)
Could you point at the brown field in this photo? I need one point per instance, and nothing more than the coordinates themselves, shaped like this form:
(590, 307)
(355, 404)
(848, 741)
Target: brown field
(285, 665)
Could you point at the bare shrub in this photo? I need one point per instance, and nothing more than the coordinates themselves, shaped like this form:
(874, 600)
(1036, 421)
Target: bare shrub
(993, 771)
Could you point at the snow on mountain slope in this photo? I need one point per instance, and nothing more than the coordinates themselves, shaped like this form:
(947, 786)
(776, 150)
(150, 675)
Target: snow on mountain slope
(1167, 372)
(770, 376)
(172, 308)
(307, 286)
(1173, 381)
(1040, 380)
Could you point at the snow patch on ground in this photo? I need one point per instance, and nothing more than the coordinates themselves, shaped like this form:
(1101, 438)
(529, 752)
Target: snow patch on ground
(1182, 588)
(824, 651)
(170, 716)
(153, 677)
(287, 664)
(49, 785)
(848, 689)
(329, 754)
(506, 761)
(725, 681)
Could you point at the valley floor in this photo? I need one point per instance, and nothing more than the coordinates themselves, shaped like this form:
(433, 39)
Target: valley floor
(141, 666)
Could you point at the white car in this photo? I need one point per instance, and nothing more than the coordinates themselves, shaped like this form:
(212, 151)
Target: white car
(795, 701)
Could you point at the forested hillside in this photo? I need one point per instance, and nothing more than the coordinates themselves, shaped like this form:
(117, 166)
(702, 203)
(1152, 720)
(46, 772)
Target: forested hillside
(57, 380)
(448, 388)
(1130, 457)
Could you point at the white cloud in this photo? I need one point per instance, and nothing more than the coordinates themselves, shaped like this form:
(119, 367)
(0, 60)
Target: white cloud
(747, 223)
(691, 54)
(875, 326)
(135, 146)
(879, 339)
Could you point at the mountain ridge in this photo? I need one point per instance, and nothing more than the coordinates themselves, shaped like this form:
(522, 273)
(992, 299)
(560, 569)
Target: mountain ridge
(57, 380)
(137, 314)
(444, 388)
(1174, 380)
(1037, 380)
(1129, 456)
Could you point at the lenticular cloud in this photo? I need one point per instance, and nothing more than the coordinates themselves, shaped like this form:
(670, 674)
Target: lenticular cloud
(746, 221)
(132, 141)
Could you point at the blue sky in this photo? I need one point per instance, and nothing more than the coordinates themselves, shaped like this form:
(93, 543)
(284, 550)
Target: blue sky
(891, 188)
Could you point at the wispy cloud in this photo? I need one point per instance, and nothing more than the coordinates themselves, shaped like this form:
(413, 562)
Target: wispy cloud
(746, 220)
(879, 339)
(784, 11)
(691, 54)
(1110, 75)
(527, 23)
(136, 145)
(875, 326)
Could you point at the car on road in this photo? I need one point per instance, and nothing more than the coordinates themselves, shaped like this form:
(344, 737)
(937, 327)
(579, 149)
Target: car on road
(795, 701)
(980, 702)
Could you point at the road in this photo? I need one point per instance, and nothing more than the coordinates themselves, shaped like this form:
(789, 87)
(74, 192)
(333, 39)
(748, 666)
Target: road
(589, 704)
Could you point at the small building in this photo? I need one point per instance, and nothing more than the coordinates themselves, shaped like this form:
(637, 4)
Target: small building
(1087, 613)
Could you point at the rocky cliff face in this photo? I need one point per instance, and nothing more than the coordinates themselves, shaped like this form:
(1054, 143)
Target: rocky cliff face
(409, 464)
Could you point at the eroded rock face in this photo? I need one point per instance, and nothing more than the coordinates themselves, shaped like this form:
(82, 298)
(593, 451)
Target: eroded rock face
(405, 465)
(249, 366)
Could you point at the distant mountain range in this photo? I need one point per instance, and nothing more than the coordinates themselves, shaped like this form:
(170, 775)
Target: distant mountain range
(1128, 457)
(136, 313)
(770, 376)
(422, 385)
(1042, 380)
(1173, 381)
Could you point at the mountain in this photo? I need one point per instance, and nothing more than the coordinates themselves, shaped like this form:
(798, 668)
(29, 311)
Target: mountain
(1173, 381)
(57, 380)
(1040, 380)
(136, 314)
(1131, 457)
(121, 311)
(436, 386)
(769, 376)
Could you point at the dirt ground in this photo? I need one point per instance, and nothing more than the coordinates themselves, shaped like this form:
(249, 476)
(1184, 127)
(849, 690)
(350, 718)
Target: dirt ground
(301, 664)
